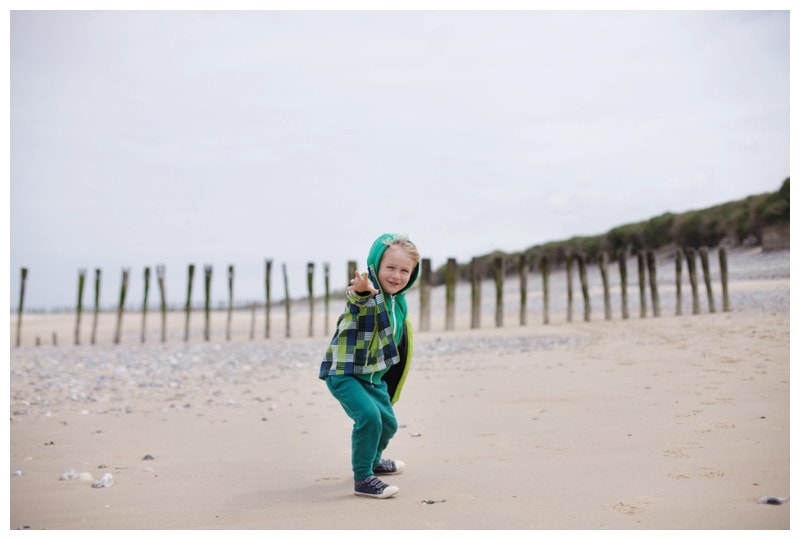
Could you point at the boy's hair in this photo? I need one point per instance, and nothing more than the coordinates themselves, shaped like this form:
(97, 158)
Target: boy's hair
(403, 242)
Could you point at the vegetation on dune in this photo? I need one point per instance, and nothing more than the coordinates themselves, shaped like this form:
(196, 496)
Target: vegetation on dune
(734, 223)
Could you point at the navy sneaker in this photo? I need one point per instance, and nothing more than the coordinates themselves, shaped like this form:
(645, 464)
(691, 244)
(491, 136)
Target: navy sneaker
(373, 487)
(388, 466)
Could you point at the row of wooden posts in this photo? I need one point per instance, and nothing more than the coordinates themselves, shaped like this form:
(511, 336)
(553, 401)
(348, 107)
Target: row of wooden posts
(646, 273)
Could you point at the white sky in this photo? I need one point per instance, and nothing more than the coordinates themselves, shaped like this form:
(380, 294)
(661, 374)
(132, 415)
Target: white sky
(144, 138)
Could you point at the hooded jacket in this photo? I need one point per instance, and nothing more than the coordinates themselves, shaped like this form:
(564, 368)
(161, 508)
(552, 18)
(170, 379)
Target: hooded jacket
(374, 333)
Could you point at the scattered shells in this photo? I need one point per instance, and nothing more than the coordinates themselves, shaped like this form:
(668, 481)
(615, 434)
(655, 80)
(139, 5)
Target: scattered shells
(432, 501)
(85, 477)
(107, 480)
(68, 474)
(148, 457)
(17, 473)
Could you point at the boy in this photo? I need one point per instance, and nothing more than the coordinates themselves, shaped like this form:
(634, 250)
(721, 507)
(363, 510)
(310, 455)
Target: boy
(366, 363)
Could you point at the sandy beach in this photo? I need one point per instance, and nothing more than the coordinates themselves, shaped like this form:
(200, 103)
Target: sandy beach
(669, 422)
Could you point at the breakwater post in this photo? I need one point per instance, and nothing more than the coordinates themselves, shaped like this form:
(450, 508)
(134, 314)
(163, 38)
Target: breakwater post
(707, 278)
(121, 308)
(96, 304)
(723, 271)
(161, 276)
(425, 295)
(24, 277)
(622, 261)
(450, 276)
(188, 308)
(79, 309)
(144, 302)
(499, 278)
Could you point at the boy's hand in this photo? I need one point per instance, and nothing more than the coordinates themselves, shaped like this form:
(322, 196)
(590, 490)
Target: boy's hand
(362, 284)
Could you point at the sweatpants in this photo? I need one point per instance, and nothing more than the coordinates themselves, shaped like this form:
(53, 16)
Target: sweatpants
(374, 423)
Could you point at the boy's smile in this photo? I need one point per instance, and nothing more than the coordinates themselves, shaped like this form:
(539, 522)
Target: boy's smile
(395, 269)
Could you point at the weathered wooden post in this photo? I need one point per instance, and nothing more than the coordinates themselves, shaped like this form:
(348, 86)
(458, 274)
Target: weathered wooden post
(121, 308)
(267, 290)
(188, 302)
(425, 295)
(570, 293)
(545, 267)
(24, 278)
(96, 304)
(707, 278)
(288, 301)
(79, 309)
(252, 321)
(692, 267)
(450, 276)
(161, 276)
(587, 308)
(230, 302)
(144, 303)
(723, 270)
(499, 281)
(523, 289)
(622, 261)
(310, 283)
(651, 270)
(352, 268)
(476, 278)
(604, 279)
(641, 259)
(326, 268)
(678, 279)
(207, 302)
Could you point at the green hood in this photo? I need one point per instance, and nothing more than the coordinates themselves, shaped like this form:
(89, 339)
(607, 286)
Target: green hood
(398, 310)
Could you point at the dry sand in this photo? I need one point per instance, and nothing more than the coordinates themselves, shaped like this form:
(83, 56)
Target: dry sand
(675, 422)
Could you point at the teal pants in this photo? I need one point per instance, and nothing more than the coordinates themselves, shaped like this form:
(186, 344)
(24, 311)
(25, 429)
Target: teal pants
(374, 424)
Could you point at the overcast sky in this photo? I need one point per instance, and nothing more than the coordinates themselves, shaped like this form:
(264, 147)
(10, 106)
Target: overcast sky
(145, 138)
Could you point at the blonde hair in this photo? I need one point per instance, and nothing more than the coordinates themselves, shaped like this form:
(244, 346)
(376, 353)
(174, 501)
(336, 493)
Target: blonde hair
(403, 242)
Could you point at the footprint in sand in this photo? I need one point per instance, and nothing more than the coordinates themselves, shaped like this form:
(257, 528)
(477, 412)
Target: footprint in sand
(631, 509)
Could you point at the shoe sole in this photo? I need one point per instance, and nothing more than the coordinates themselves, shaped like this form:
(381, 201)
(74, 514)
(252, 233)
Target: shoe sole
(388, 492)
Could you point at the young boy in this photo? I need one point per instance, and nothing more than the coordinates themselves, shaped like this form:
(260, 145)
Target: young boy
(368, 358)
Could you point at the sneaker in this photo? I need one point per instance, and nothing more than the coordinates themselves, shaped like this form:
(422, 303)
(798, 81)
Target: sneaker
(387, 466)
(373, 487)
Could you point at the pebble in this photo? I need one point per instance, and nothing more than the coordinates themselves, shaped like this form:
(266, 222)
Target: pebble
(772, 500)
(107, 480)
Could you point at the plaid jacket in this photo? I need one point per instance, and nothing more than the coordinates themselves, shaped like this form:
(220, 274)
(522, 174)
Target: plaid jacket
(364, 344)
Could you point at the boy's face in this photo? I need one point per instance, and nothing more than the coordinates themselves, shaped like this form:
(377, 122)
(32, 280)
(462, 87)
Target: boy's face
(395, 269)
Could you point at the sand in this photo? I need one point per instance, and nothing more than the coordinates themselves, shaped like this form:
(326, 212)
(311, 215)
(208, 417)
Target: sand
(670, 422)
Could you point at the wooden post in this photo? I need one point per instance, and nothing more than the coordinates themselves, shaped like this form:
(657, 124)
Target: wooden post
(24, 278)
(606, 292)
(678, 279)
(587, 308)
(723, 270)
(252, 321)
(476, 278)
(707, 278)
(623, 281)
(326, 268)
(207, 303)
(144, 303)
(523, 289)
(310, 284)
(692, 267)
(267, 291)
(121, 308)
(288, 301)
(640, 258)
(651, 270)
(545, 267)
(230, 302)
(450, 276)
(425, 295)
(79, 309)
(188, 301)
(570, 294)
(499, 281)
(96, 304)
(352, 268)
(161, 276)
